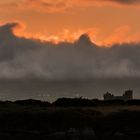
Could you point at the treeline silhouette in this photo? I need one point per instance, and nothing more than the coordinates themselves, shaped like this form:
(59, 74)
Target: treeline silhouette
(72, 102)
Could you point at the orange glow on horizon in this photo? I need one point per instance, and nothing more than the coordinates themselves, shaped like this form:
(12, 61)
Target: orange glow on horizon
(119, 36)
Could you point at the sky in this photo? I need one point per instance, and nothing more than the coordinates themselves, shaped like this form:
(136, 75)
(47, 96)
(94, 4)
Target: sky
(106, 21)
(70, 41)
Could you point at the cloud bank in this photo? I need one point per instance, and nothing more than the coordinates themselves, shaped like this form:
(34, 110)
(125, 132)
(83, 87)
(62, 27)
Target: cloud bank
(32, 58)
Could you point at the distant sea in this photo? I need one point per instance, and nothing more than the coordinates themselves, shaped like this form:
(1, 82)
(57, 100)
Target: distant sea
(51, 90)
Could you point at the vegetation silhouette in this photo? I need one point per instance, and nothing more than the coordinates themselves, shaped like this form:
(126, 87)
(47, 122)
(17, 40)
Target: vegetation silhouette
(31, 102)
(73, 102)
(70, 118)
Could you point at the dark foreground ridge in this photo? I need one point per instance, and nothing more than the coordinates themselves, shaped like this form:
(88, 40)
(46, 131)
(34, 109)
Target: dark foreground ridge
(70, 119)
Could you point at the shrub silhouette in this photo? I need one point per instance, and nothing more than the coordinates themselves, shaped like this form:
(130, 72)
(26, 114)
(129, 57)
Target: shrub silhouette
(133, 102)
(73, 102)
(31, 102)
(113, 102)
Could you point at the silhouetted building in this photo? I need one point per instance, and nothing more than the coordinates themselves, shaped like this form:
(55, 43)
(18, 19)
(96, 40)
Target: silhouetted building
(128, 95)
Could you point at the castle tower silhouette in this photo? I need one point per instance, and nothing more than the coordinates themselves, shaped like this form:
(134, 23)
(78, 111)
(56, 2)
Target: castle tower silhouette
(128, 95)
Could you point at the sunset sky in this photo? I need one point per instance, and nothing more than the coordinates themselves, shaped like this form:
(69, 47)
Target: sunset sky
(106, 21)
(69, 41)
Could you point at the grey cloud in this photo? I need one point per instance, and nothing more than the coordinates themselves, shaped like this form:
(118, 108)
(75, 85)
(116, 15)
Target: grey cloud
(121, 2)
(126, 1)
(29, 58)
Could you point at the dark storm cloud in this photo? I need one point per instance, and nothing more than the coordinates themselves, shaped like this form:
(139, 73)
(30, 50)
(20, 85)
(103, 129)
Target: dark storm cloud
(21, 58)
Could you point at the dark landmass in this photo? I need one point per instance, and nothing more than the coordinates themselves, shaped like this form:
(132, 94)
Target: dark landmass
(70, 119)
